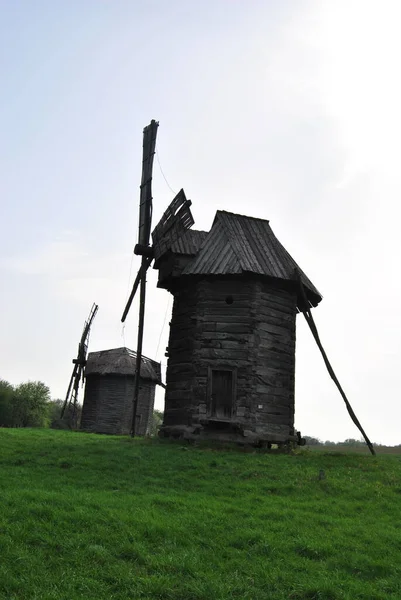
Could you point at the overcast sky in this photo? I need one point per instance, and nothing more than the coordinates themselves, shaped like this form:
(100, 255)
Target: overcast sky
(288, 110)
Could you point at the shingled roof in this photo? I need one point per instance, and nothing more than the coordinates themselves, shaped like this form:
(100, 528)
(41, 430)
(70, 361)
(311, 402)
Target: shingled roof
(121, 361)
(237, 244)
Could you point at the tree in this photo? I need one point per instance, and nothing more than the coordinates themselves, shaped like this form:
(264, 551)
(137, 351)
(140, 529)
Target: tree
(6, 404)
(54, 412)
(312, 441)
(31, 404)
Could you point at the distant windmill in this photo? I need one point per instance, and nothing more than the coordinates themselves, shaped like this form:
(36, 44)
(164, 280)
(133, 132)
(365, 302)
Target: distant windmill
(173, 224)
(71, 400)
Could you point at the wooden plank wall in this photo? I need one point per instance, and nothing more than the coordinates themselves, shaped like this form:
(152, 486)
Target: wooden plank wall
(181, 367)
(146, 399)
(88, 417)
(275, 313)
(225, 338)
(108, 401)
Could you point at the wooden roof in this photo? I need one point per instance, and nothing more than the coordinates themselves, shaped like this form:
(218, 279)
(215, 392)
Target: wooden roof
(121, 361)
(189, 242)
(237, 244)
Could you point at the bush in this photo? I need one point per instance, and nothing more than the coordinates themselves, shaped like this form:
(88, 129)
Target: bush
(155, 423)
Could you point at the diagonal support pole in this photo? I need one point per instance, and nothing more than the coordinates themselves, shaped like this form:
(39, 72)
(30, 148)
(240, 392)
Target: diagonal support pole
(135, 287)
(312, 326)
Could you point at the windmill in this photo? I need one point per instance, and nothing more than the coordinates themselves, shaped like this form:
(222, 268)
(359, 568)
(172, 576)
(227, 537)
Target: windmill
(71, 399)
(175, 221)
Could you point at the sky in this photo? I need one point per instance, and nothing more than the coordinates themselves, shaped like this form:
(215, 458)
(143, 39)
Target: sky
(284, 110)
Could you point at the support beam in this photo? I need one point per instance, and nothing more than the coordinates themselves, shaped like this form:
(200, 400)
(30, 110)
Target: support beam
(312, 326)
(135, 286)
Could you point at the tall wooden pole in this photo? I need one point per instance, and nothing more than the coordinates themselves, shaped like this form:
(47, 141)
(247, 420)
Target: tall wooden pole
(144, 266)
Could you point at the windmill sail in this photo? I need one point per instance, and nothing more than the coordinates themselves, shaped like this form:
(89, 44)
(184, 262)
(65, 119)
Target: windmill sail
(174, 222)
(71, 400)
(145, 202)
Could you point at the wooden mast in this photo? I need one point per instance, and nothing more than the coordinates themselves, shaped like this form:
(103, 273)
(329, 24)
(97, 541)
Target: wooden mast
(143, 249)
(175, 221)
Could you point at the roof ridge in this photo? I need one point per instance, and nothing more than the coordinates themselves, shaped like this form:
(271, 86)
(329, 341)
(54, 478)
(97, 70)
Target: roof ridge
(242, 249)
(218, 230)
(127, 351)
(228, 232)
(232, 214)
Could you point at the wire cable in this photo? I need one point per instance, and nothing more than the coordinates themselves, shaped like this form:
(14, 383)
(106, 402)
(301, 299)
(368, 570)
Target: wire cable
(164, 177)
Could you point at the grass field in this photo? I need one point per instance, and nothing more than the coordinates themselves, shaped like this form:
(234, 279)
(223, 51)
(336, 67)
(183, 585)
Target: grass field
(96, 517)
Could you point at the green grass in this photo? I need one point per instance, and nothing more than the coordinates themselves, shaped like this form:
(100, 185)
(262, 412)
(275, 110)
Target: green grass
(96, 517)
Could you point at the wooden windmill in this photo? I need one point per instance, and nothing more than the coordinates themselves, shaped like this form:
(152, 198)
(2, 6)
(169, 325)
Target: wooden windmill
(71, 399)
(231, 353)
(173, 224)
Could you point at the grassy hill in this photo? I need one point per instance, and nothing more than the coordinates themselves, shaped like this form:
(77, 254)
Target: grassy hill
(96, 517)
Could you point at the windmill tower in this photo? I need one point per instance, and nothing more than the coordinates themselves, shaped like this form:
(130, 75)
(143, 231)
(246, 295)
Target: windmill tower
(175, 221)
(71, 399)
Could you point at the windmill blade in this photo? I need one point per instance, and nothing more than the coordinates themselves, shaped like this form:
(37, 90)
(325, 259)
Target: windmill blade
(88, 323)
(134, 288)
(68, 394)
(174, 222)
(71, 398)
(145, 202)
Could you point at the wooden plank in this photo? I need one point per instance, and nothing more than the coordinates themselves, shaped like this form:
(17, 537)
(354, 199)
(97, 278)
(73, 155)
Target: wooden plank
(219, 336)
(274, 344)
(227, 317)
(228, 310)
(282, 331)
(224, 354)
(265, 314)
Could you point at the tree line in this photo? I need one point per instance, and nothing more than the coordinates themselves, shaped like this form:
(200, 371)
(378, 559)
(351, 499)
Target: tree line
(349, 442)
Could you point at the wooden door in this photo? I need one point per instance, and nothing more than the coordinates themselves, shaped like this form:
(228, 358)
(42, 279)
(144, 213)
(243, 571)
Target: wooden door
(222, 388)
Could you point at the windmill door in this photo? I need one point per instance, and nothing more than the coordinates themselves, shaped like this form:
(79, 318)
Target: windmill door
(221, 393)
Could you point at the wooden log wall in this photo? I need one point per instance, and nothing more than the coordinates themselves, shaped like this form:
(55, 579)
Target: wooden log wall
(181, 368)
(246, 325)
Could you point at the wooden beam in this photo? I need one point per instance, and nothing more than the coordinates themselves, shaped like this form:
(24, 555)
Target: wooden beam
(147, 262)
(312, 326)
(139, 344)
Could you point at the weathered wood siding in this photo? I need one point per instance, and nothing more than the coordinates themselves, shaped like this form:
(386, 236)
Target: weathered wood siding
(108, 404)
(274, 346)
(244, 325)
